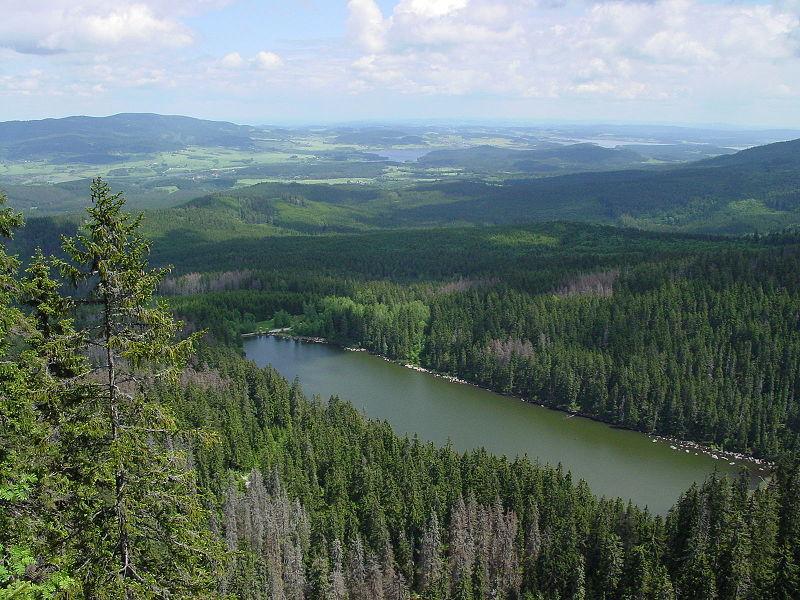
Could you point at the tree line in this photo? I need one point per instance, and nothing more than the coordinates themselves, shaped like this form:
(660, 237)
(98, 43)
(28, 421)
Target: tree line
(705, 348)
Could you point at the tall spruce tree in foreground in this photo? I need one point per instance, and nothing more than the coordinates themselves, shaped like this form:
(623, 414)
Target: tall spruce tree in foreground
(138, 526)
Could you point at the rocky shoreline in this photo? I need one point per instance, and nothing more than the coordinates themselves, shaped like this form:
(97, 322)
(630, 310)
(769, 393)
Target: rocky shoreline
(763, 467)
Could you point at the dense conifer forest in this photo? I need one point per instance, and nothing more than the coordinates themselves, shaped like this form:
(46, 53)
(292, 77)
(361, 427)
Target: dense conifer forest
(691, 337)
(705, 349)
(143, 459)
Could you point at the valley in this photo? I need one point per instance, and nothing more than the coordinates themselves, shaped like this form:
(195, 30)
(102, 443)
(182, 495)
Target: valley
(340, 179)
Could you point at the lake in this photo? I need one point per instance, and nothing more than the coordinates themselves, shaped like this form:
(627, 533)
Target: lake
(402, 155)
(614, 462)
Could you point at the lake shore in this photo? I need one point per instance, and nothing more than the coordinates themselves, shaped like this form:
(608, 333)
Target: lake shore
(762, 466)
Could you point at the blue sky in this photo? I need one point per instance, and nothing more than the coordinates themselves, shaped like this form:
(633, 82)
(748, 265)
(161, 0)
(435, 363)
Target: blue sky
(312, 61)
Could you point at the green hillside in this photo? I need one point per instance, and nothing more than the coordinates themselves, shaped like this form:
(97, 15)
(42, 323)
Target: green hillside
(550, 159)
(349, 179)
(101, 140)
(755, 190)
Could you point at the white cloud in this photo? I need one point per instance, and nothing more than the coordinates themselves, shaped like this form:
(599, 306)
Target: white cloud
(366, 24)
(24, 85)
(263, 61)
(232, 60)
(135, 23)
(617, 49)
(56, 26)
(430, 8)
(267, 60)
(677, 47)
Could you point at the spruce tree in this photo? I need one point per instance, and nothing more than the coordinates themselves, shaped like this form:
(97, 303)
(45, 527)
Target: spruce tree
(28, 566)
(140, 525)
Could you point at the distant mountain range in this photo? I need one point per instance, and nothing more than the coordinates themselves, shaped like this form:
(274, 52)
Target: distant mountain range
(102, 140)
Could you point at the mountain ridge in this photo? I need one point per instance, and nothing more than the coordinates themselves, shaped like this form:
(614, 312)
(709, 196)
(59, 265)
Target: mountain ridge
(115, 136)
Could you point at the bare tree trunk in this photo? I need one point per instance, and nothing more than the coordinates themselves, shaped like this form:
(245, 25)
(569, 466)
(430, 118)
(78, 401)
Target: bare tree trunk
(120, 477)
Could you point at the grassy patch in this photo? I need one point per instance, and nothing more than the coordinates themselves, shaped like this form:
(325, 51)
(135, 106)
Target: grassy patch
(523, 238)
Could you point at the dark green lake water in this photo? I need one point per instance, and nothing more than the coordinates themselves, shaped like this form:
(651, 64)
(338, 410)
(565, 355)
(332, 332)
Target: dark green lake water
(614, 462)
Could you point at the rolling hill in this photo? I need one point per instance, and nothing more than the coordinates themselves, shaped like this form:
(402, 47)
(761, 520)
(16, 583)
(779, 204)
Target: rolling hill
(755, 190)
(102, 140)
(547, 160)
(221, 197)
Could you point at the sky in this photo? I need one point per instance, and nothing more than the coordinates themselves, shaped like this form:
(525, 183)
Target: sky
(321, 61)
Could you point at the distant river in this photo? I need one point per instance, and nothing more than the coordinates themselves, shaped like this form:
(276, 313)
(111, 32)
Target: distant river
(614, 462)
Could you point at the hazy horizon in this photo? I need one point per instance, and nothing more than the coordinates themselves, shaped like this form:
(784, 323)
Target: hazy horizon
(432, 122)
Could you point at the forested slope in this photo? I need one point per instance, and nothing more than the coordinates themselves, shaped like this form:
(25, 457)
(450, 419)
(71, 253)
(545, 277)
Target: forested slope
(692, 337)
(379, 516)
(703, 356)
(99, 140)
(756, 190)
(702, 196)
(684, 335)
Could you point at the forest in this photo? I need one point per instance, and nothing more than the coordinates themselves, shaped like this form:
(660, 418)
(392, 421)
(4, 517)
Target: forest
(690, 357)
(400, 300)
(691, 337)
(141, 459)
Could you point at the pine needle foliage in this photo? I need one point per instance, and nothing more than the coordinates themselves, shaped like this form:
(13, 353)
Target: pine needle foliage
(142, 523)
(96, 472)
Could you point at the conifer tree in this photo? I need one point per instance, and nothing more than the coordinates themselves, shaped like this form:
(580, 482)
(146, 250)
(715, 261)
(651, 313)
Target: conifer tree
(337, 582)
(140, 525)
(28, 567)
(431, 568)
